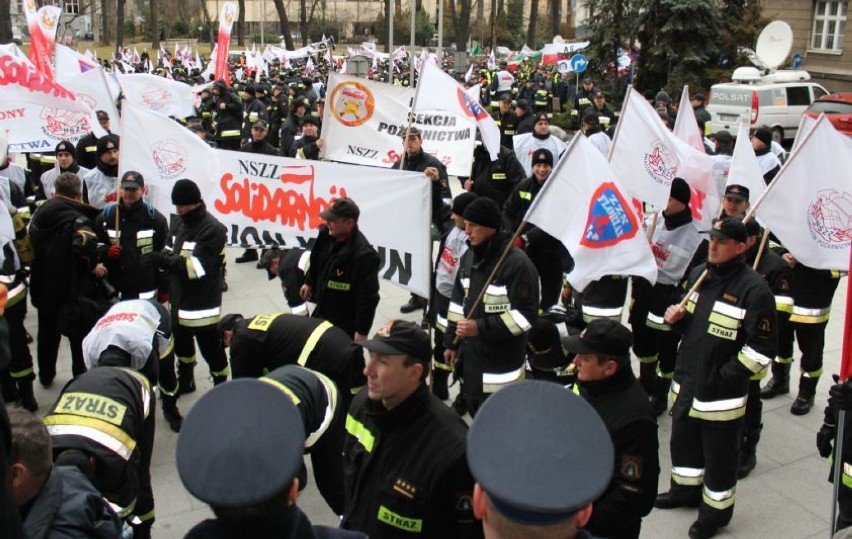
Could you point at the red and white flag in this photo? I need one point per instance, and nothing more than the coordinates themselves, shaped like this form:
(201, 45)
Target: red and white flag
(39, 112)
(553, 52)
(438, 91)
(168, 97)
(598, 227)
(808, 205)
(745, 169)
(686, 126)
(42, 27)
(227, 16)
(647, 157)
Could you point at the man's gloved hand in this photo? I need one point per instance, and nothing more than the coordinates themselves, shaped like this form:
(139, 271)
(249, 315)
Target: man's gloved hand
(824, 438)
(114, 252)
(163, 296)
(840, 394)
(520, 243)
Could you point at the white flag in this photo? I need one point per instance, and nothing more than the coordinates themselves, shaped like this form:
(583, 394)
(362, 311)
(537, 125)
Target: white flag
(168, 97)
(583, 205)
(646, 157)
(469, 73)
(70, 63)
(745, 169)
(686, 126)
(438, 91)
(92, 87)
(492, 61)
(809, 203)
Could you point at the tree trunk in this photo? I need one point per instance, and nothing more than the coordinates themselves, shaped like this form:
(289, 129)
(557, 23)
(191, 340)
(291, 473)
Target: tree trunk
(463, 26)
(241, 24)
(555, 17)
(284, 28)
(155, 24)
(303, 21)
(119, 25)
(531, 27)
(106, 27)
(5, 22)
(389, 12)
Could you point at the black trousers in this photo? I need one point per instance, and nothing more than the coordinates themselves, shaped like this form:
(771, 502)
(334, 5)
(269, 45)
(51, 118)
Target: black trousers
(208, 342)
(811, 338)
(704, 466)
(21, 366)
(549, 266)
(48, 345)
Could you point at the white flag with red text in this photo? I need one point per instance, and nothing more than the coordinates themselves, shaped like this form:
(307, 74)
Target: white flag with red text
(598, 227)
(268, 200)
(647, 157)
(438, 91)
(169, 97)
(38, 112)
(808, 205)
(42, 24)
(227, 16)
(92, 88)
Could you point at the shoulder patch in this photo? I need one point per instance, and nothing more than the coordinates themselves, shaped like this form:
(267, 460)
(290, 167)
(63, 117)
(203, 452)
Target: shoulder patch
(631, 467)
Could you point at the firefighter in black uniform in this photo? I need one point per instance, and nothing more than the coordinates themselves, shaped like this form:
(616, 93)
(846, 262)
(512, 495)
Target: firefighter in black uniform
(135, 229)
(494, 179)
(253, 427)
(506, 120)
(546, 252)
(267, 341)
(606, 381)
(813, 291)
(779, 277)
(206, 109)
(87, 151)
(195, 268)
(583, 100)
(228, 116)
(323, 410)
(343, 278)
(729, 334)
(404, 454)
(104, 422)
(840, 398)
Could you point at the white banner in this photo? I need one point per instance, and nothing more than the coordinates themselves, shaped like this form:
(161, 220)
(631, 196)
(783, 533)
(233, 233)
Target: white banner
(92, 88)
(809, 203)
(364, 122)
(159, 94)
(745, 170)
(266, 200)
(36, 113)
(583, 205)
(70, 63)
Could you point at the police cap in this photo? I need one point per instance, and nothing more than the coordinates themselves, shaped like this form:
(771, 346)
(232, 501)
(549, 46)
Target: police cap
(565, 447)
(241, 444)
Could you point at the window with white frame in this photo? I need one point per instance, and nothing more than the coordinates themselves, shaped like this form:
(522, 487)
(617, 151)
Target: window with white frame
(72, 7)
(829, 25)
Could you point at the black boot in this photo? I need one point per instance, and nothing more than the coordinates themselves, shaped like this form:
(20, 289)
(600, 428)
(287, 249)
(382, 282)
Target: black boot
(186, 380)
(249, 255)
(805, 399)
(7, 386)
(414, 304)
(648, 377)
(171, 412)
(439, 383)
(219, 379)
(26, 397)
(748, 451)
(779, 384)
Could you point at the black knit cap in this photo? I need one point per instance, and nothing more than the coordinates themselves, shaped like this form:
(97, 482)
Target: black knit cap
(461, 202)
(185, 192)
(66, 147)
(764, 135)
(483, 212)
(680, 191)
(542, 156)
(106, 143)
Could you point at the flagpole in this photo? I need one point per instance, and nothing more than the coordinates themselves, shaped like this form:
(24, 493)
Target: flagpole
(760, 249)
(845, 364)
(653, 226)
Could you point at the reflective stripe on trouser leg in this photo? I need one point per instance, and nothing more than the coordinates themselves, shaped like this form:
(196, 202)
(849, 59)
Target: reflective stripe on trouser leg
(687, 459)
(212, 351)
(721, 447)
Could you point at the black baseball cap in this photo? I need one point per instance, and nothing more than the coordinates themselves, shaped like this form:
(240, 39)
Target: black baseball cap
(724, 137)
(343, 208)
(736, 192)
(132, 180)
(260, 124)
(602, 336)
(399, 337)
(730, 228)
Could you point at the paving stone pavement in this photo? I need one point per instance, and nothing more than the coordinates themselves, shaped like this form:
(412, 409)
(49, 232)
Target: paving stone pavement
(786, 496)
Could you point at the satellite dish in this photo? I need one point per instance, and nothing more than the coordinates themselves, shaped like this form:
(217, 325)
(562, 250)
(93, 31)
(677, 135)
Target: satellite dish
(774, 44)
(559, 40)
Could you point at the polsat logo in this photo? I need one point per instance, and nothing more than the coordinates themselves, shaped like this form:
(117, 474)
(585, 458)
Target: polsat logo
(610, 220)
(660, 164)
(352, 103)
(830, 219)
(470, 107)
(169, 158)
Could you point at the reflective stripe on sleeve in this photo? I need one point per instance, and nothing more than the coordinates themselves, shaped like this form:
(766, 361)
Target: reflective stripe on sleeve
(360, 432)
(312, 341)
(493, 382)
(753, 360)
(194, 269)
(720, 410)
(101, 432)
(515, 322)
